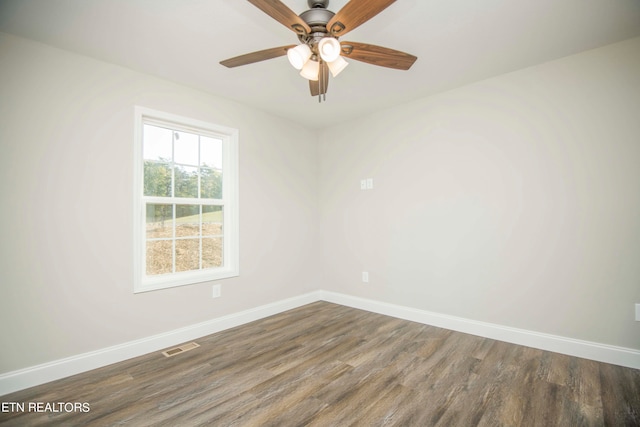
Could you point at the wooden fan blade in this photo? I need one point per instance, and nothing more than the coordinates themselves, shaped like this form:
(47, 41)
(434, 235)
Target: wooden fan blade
(314, 86)
(354, 14)
(258, 56)
(281, 13)
(377, 55)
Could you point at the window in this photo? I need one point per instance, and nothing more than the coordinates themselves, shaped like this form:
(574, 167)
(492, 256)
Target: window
(185, 201)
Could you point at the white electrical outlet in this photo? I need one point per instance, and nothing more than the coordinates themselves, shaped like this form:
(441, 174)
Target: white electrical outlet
(638, 312)
(216, 291)
(365, 277)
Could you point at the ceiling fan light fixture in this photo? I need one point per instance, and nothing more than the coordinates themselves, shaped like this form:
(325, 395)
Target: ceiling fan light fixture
(319, 30)
(299, 56)
(329, 49)
(311, 70)
(337, 66)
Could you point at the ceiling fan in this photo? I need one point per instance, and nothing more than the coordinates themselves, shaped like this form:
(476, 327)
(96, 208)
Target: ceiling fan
(320, 50)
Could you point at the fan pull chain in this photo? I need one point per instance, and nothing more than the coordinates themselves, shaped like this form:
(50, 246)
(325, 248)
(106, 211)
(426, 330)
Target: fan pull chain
(325, 76)
(320, 81)
(322, 90)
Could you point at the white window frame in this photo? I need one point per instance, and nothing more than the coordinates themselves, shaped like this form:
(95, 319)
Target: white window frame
(231, 253)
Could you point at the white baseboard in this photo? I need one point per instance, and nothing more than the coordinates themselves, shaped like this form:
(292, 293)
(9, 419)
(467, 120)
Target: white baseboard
(573, 347)
(40, 374)
(46, 372)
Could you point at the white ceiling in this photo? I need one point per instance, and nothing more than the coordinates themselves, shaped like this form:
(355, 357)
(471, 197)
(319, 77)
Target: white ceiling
(456, 41)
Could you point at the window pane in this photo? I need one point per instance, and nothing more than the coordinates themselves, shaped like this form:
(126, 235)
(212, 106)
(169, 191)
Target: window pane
(187, 254)
(186, 148)
(156, 143)
(210, 183)
(212, 220)
(187, 220)
(159, 258)
(186, 179)
(157, 179)
(212, 252)
(159, 221)
(211, 152)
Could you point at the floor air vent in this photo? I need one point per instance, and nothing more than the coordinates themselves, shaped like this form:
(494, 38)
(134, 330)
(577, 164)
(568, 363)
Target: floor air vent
(180, 349)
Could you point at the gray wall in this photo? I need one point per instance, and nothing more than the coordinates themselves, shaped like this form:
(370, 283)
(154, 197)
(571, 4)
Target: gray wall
(66, 149)
(515, 200)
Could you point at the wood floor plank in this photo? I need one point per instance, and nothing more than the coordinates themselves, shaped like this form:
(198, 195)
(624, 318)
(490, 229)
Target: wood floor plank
(620, 395)
(325, 364)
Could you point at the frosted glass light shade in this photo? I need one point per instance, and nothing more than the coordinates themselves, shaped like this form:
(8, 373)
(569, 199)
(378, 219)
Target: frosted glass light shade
(329, 49)
(310, 70)
(299, 55)
(337, 66)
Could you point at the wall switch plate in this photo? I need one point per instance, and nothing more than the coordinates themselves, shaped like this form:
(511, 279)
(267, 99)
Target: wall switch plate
(363, 184)
(365, 277)
(638, 312)
(369, 183)
(216, 291)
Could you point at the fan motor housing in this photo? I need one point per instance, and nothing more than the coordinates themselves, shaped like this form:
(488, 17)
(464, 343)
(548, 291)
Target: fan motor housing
(317, 17)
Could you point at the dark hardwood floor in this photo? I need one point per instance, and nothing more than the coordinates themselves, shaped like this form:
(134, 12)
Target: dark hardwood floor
(329, 365)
